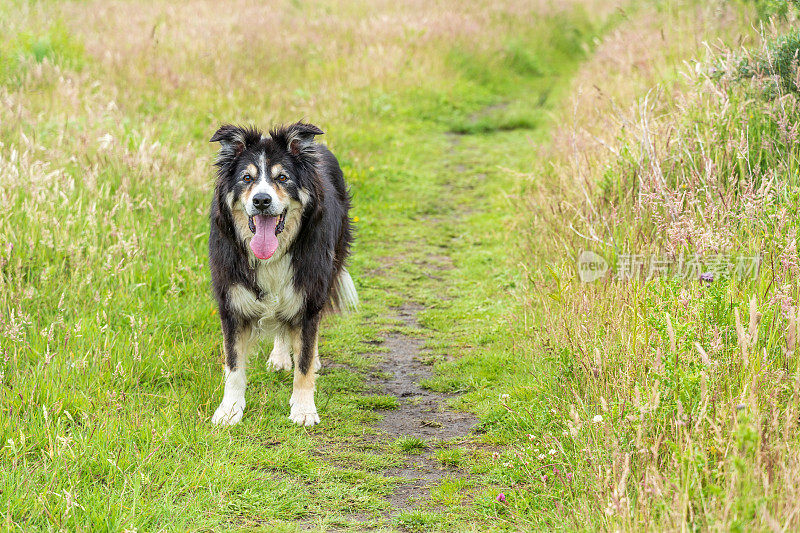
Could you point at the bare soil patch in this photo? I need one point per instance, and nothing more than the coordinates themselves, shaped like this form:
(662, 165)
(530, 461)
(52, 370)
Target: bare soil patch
(422, 412)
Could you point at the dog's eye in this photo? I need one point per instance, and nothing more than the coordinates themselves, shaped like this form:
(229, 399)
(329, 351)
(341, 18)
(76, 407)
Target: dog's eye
(282, 177)
(247, 178)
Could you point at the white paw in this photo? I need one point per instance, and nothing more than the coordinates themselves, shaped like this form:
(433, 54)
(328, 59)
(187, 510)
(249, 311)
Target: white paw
(228, 413)
(279, 361)
(303, 412)
(304, 419)
(317, 364)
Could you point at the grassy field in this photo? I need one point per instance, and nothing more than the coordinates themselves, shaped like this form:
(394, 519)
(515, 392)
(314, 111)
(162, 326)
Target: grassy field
(482, 141)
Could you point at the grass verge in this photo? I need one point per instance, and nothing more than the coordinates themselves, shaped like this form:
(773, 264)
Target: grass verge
(675, 390)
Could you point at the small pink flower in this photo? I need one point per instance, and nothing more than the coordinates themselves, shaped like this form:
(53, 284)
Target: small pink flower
(569, 477)
(501, 498)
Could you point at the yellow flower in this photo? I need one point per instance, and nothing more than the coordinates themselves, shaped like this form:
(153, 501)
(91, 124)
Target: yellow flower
(355, 219)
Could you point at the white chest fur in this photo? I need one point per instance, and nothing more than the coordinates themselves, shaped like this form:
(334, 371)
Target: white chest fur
(278, 299)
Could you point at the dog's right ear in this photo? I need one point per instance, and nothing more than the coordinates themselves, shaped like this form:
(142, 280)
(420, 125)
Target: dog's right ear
(233, 141)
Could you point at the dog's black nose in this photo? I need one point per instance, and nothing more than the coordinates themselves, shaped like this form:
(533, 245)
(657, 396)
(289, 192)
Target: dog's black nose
(262, 200)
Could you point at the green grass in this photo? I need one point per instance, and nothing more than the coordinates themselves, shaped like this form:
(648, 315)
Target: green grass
(110, 343)
(450, 457)
(110, 360)
(419, 521)
(53, 43)
(378, 401)
(411, 445)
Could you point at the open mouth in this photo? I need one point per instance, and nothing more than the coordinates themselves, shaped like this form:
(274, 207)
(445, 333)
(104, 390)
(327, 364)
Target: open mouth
(278, 225)
(265, 234)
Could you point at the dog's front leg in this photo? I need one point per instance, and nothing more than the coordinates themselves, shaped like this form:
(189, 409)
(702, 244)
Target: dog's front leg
(304, 344)
(237, 338)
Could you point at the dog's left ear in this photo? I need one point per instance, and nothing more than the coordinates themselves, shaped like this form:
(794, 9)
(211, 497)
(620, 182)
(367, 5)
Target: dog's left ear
(300, 137)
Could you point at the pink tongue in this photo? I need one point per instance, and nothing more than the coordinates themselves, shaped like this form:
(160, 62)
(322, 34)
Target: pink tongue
(264, 242)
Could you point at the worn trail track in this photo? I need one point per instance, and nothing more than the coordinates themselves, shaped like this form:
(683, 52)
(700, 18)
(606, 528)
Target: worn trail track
(421, 413)
(404, 363)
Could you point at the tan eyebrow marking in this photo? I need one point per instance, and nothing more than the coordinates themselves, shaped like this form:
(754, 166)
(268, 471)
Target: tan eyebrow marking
(276, 169)
(252, 170)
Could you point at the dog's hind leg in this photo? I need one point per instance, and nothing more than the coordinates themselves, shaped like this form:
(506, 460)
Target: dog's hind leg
(237, 341)
(280, 358)
(304, 344)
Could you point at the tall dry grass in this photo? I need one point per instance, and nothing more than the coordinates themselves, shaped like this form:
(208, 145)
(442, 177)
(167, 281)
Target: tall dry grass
(678, 397)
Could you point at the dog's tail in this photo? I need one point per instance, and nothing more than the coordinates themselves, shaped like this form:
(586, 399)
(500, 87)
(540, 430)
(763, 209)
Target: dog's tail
(344, 297)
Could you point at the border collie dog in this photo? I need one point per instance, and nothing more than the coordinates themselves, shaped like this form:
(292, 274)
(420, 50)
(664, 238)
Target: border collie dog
(280, 235)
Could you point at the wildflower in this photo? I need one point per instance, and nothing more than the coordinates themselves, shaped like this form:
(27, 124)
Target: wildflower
(569, 477)
(504, 397)
(541, 457)
(501, 498)
(597, 419)
(708, 277)
(552, 451)
(544, 478)
(782, 297)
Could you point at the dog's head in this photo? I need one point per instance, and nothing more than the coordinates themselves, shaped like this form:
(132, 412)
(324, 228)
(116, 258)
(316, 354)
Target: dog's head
(263, 181)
